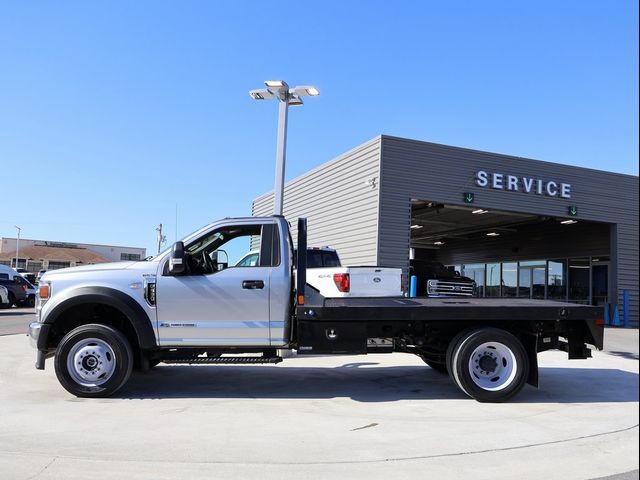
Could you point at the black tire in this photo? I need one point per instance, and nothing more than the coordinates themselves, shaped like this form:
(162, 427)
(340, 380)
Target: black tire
(94, 345)
(451, 348)
(12, 300)
(489, 365)
(437, 366)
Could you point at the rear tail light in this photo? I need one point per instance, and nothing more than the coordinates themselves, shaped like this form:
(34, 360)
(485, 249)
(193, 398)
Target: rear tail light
(342, 282)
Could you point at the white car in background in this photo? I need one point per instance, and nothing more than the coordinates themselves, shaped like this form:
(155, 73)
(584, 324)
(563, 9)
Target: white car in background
(4, 297)
(326, 274)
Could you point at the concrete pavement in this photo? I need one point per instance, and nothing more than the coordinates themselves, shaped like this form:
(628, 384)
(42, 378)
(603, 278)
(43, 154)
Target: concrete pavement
(319, 417)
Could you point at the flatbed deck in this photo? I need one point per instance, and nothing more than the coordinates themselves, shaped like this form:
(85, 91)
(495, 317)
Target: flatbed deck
(401, 308)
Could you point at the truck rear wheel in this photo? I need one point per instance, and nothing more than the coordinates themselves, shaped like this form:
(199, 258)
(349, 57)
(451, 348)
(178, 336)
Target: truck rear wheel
(93, 361)
(489, 364)
(439, 367)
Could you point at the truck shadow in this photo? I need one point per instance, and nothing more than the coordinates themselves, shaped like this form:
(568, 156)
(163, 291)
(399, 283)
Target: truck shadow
(370, 384)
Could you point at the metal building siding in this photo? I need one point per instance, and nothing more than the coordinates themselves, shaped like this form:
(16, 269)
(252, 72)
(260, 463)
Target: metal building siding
(339, 203)
(427, 171)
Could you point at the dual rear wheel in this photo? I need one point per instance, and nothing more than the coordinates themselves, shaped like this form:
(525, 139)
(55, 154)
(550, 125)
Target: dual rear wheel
(489, 364)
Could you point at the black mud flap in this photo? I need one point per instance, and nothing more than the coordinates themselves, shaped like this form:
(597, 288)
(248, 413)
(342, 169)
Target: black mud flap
(530, 343)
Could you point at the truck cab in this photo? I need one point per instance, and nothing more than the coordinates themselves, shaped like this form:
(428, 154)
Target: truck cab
(252, 299)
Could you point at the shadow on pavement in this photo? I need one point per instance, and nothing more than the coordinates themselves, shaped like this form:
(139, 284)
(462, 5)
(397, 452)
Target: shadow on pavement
(632, 356)
(14, 313)
(371, 384)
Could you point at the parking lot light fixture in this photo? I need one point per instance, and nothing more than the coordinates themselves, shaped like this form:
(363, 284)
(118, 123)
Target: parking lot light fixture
(286, 96)
(305, 90)
(275, 83)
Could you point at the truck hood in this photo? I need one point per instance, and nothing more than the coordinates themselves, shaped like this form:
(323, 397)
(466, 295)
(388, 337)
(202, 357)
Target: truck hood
(99, 267)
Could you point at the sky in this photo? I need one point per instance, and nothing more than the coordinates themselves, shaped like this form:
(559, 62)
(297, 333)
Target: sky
(115, 115)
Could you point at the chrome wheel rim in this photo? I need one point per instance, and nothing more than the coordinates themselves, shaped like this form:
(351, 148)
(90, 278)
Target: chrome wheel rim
(91, 362)
(493, 366)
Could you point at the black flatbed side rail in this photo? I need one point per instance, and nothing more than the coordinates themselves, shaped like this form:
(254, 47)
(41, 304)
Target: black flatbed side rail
(566, 316)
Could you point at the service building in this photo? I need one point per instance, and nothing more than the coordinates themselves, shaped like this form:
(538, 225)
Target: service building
(519, 227)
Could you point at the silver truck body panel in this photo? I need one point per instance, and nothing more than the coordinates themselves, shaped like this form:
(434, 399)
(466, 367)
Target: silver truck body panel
(198, 310)
(126, 277)
(215, 309)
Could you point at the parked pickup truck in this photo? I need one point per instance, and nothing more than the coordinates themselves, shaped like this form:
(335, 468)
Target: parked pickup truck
(326, 274)
(185, 307)
(17, 290)
(436, 280)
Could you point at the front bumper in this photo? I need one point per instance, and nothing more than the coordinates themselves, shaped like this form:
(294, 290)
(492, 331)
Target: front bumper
(34, 333)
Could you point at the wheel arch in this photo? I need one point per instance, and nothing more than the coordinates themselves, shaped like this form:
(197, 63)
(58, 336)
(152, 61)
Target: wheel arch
(110, 305)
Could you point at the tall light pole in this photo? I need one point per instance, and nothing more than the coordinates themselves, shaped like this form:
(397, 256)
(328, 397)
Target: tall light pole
(18, 246)
(286, 96)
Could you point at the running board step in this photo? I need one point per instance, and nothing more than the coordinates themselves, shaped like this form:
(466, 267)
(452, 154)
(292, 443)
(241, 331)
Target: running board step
(236, 360)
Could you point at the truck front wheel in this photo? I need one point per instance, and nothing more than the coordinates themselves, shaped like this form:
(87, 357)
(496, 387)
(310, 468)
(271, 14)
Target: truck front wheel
(489, 364)
(93, 361)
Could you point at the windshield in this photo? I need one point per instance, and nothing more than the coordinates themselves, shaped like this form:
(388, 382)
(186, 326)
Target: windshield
(166, 250)
(422, 267)
(322, 258)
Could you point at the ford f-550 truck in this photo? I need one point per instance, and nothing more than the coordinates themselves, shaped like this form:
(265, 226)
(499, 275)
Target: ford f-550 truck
(184, 306)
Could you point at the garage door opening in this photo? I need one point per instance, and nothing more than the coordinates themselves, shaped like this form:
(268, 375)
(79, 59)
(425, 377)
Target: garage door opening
(511, 254)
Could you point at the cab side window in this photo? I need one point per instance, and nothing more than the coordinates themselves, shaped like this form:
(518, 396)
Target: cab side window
(251, 245)
(249, 260)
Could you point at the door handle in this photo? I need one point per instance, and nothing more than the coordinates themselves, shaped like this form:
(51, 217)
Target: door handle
(252, 284)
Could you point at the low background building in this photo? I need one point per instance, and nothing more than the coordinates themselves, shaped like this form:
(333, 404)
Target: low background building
(42, 254)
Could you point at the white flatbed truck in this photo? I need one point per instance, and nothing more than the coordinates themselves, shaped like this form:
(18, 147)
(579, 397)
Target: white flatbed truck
(185, 306)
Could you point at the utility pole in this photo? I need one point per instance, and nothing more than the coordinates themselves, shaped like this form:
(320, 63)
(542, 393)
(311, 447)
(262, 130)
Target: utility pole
(161, 238)
(18, 246)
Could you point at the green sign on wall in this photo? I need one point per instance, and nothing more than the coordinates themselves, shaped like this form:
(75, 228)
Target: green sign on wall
(469, 197)
(573, 211)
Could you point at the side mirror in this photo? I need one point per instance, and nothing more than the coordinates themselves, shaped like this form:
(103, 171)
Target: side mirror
(176, 261)
(220, 259)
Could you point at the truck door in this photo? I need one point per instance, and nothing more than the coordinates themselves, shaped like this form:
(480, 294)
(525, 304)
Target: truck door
(216, 302)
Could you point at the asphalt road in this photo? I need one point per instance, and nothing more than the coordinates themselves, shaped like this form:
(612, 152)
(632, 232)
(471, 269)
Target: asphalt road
(16, 320)
(375, 416)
